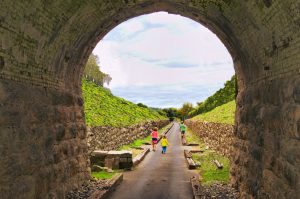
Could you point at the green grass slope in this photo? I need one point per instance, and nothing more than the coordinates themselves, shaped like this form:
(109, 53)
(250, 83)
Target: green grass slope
(104, 109)
(220, 114)
(222, 96)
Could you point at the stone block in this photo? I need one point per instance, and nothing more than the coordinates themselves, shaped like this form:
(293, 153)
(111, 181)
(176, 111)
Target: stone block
(112, 163)
(123, 154)
(98, 157)
(96, 168)
(122, 160)
(99, 153)
(126, 165)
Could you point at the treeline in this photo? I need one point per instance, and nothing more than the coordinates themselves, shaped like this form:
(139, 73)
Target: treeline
(161, 111)
(222, 96)
(92, 71)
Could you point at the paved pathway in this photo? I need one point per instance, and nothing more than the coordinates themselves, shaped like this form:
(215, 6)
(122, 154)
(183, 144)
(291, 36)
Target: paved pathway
(159, 176)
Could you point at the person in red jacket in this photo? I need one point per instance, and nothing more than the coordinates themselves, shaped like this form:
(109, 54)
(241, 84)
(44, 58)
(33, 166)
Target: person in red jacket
(154, 136)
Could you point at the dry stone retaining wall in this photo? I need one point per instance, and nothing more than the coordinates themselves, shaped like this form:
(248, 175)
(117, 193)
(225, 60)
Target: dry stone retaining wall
(217, 136)
(111, 138)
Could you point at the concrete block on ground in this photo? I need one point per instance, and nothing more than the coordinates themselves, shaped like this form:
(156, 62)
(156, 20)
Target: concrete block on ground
(98, 157)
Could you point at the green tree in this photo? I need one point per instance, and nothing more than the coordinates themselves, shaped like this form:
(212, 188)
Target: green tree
(185, 109)
(222, 96)
(171, 113)
(92, 71)
(142, 105)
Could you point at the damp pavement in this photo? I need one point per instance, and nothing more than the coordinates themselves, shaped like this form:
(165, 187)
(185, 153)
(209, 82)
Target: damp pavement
(159, 176)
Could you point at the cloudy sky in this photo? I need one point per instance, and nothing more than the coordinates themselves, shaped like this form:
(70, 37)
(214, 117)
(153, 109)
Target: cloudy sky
(164, 60)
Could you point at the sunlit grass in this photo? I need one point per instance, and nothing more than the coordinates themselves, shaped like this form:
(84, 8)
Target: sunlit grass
(208, 171)
(221, 114)
(104, 109)
(103, 175)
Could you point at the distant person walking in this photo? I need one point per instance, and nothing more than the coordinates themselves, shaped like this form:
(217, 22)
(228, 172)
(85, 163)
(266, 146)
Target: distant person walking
(164, 143)
(183, 130)
(154, 136)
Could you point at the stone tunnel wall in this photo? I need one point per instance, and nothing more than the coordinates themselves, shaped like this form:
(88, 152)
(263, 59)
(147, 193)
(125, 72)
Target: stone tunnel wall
(45, 44)
(217, 136)
(43, 151)
(266, 154)
(111, 138)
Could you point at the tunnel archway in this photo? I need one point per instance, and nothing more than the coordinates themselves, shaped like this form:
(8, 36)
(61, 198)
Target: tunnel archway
(45, 46)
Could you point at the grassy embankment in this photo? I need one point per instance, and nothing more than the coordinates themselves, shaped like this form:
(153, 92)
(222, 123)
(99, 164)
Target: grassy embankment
(208, 171)
(221, 114)
(104, 109)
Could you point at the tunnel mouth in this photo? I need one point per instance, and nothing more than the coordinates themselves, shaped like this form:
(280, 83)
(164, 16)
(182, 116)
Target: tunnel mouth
(217, 127)
(44, 47)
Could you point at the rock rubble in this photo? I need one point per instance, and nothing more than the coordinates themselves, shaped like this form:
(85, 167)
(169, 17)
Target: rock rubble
(87, 189)
(219, 191)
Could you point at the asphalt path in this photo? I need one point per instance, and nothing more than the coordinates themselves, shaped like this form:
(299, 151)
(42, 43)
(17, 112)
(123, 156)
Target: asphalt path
(159, 176)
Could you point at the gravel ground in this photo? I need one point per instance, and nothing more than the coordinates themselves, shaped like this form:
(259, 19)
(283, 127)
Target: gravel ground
(87, 189)
(219, 191)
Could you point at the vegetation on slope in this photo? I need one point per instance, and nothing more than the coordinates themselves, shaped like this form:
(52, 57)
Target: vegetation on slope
(208, 172)
(222, 96)
(221, 114)
(92, 71)
(104, 109)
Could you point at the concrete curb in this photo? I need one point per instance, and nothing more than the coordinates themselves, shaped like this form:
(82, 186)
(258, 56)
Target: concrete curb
(111, 184)
(196, 187)
(189, 160)
(166, 132)
(192, 144)
(115, 181)
(139, 158)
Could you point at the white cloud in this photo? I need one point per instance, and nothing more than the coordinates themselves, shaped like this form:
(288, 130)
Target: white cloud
(130, 27)
(141, 51)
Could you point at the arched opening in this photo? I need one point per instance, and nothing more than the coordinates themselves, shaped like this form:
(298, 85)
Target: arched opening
(41, 64)
(176, 60)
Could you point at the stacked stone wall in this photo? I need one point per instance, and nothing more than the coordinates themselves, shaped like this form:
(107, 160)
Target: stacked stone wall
(111, 138)
(43, 151)
(217, 136)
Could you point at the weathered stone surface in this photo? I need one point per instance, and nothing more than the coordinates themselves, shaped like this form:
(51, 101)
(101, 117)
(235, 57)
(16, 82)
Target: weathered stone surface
(98, 157)
(217, 136)
(96, 168)
(111, 138)
(45, 44)
(119, 160)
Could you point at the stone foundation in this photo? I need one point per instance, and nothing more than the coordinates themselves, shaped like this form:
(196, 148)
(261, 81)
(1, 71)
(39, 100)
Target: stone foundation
(112, 159)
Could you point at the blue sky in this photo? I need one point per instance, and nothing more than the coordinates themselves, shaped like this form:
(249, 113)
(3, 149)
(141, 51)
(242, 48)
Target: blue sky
(164, 60)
